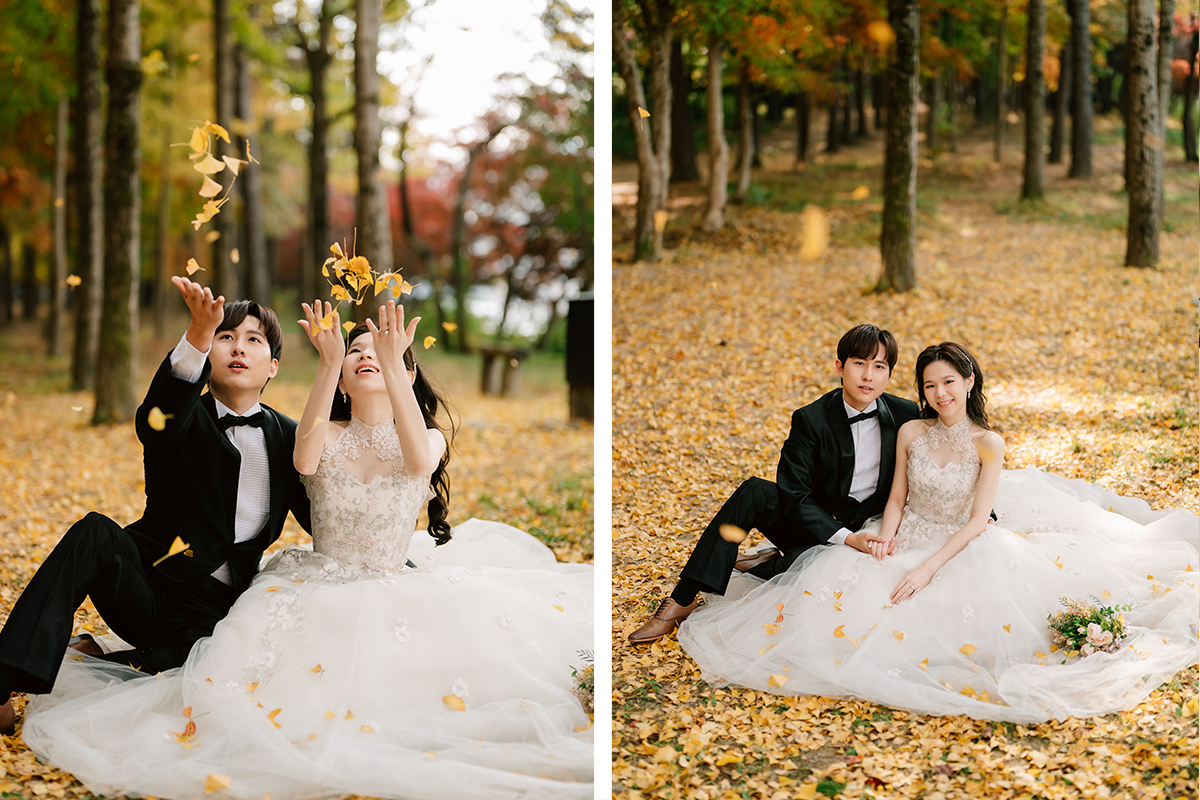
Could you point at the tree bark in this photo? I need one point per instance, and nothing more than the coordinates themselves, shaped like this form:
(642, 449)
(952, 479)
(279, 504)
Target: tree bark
(1140, 135)
(683, 140)
(1189, 103)
(461, 268)
(1001, 80)
(860, 101)
(932, 138)
(371, 211)
(745, 132)
(1166, 41)
(1081, 91)
(718, 150)
(652, 134)
(6, 274)
(803, 126)
(254, 240)
(897, 240)
(224, 277)
(1062, 99)
(55, 340)
(877, 98)
(29, 281)
(164, 291)
(116, 355)
(89, 250)
(1035, 103)
(832, 139)
(318, 233)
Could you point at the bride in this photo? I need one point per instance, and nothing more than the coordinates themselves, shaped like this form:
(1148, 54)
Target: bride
(342, 670)
(948, 613)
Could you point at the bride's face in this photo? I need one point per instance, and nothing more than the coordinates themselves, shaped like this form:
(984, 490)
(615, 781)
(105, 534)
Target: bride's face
(361, 373)
(946, 390)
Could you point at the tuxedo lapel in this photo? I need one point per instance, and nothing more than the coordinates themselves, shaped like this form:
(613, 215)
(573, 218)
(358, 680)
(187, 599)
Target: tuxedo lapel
(229, 463)
(839, 423)
(887, 449)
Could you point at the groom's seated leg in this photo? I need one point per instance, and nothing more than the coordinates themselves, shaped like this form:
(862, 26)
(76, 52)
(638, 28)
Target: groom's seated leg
(708, 569)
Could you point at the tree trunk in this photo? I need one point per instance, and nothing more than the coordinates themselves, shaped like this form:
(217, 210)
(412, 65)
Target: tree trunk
(116, 355)
(89, 250)
(6, 276)
(745, 133)
(652, 134)
(932, 139)
(1144, 209)
(878, 82)
(832, 140)
(683, 140)
(1166, 41)
(58, 260)
(718, 150)
(371, 211)
(224, 277)
(319, 236)
(803, 126)
(1035, 103)
(164, 291)
(460, 266)
(847, 127)
(1062, 97)
(1081, 92)
(897, 240)
(254, 240)
(29, 281)
(1001, 79)
(419, 247)
(860, 101)
(1189, 102)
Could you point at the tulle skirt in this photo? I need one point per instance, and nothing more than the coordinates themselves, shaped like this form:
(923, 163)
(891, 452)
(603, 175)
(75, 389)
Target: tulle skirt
(976, 640)
(450, 681)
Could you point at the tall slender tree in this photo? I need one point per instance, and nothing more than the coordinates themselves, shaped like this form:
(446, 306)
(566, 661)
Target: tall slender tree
(89, 209)
(718, 150)
(1141, 134)
(374, 240)
(745, 131)
(55, 339)
(897, 239)
(254, 240)
(1166, 42)
(1001, 80)
(1081, 91)
(683, 144)
(116, 354)
(1191, 152)
(224, 277)
(1062, 99)
(1034, 90)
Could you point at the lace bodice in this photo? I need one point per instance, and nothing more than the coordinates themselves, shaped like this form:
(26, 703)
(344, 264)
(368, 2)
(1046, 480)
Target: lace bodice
(364, 527)
(943, 470)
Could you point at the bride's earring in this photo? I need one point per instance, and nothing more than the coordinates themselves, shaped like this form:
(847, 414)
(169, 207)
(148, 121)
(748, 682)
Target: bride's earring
(345, 397)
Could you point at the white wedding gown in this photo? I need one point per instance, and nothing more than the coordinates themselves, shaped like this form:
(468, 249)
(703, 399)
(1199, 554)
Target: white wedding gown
(975, 641)
(337, 671)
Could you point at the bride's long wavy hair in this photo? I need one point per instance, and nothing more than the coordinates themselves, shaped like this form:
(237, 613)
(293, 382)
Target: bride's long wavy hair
(961, 360)
(430, 398)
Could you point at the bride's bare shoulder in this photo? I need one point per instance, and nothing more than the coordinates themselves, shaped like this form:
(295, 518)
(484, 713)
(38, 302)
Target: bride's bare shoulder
(987, 441)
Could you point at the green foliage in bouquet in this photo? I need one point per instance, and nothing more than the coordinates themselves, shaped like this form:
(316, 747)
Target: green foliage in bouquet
(1086, 628)
(585, 681)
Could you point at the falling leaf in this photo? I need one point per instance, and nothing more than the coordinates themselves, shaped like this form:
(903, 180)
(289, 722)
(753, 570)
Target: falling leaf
(271, 717)
(838, 633)
(339, 292)
(193, 267)
(217, 130)
(348, 325)
(199, 140)
(336, 249)
(450, 327)
(326, 322)
(73, 281)
(732, 533)
(816, 232)
(881, 32)
(777, 680)
(967, 649)
(208, 165)
(1039, 654)
(157, 420)
(211, 236)
(235, 256)
(1008, 628)
(77, 408)
(861, 193)
(1058, 562)
(429, 340)
(924, 664)
(177, 547)
(329, 715)
(210, 188)
(660, 220)
(969, 691)
(899, 635)
(317, 670)
(215, 782)
(455, 702)
(770, 628)
(234, 164)
(643, 113)
(59, 202)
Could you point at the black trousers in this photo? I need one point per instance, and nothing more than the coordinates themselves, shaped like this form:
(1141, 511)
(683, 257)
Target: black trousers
(753, 506)
(162, 619)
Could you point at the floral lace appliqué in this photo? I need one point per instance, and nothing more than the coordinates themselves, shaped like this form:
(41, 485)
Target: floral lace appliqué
(940, 497)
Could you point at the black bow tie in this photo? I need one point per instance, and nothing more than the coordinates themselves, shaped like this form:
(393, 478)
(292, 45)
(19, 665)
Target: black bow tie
(231, 420)
(860, 417)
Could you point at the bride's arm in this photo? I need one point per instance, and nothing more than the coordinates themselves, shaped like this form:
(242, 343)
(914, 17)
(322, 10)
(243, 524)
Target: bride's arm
(991, 454)
(899, 493)
(422, 447)
(315, 429)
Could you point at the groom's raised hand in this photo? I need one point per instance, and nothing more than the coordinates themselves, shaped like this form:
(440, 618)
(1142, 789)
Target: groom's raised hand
(207, 312)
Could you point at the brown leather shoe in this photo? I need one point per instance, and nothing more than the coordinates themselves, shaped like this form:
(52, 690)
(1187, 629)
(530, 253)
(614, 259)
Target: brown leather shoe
(748, 561)
(665, 620)
(8, 718)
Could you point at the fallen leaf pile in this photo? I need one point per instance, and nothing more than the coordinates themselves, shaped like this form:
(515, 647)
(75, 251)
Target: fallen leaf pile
(1091, 372)
(515, 460)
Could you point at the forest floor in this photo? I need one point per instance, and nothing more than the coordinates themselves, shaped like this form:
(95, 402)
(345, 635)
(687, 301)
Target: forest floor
(1091, 372)
(517, 460)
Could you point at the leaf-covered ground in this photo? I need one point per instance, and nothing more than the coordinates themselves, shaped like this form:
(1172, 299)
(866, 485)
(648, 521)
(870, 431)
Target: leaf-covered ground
(518, 461)
(1091, 371)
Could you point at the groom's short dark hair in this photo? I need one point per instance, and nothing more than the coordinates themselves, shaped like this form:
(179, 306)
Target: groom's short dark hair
(862, 341)
(236, 312)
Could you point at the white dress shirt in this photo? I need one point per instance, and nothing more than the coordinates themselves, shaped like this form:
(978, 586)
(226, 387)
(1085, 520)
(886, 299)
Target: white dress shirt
(254, 480)
(868, 443)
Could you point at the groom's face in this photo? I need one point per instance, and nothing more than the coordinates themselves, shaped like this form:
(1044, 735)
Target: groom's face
(864, 379)
(241, 358)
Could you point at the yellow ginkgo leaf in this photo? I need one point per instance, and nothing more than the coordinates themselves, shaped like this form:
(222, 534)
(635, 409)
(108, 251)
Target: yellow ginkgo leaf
(193, 266)
(838, 633)
(838, 595)
(234, 164)
(816, 232)
(217, 130)
(1039, 654)
(660, 220)
(810, 594)
(349, 715)
(326, 322)
(215, 782)
(969, 691)
(777, 680)
(73, 281)
(732, 533)
(807, 792)
(924, 664)
(861, 193)
(208, 165)
(157, 420)
(967, 649)
(367, 729)
(899, 635)
(770, 628)
(235, 256)
(1189, 568)
(728, 758)
(329, 715)
(272, 716)
(348, 325)
(177, 547)
(199, 140)
(317, 670)
(250, 687)
(983, 697)
(560, 608)
(336, 249)
(643, 113)
(1058, 562)
(339, 292)
(449, 327)
(1008, 628)
(380, 286)
(455, 702)
(429, 340)
(209, 188)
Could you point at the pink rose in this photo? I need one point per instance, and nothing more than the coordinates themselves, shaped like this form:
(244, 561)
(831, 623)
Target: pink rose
(1097, 636)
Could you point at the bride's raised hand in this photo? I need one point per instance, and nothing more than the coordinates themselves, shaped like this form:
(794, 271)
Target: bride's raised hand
(391, 337)
(912, 583)
(326, 338)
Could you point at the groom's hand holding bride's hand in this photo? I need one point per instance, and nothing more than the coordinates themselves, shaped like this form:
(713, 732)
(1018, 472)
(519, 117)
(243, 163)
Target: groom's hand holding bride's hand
(207, 312)
(872, 544)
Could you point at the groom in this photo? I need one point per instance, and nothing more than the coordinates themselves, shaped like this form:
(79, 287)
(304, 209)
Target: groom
(219, 476)
(835, 472)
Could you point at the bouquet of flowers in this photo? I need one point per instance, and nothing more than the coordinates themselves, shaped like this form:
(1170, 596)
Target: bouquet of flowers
(585, 681)
(1088, 628)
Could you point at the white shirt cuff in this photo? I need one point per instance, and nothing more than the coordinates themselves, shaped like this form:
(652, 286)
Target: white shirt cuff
(840, 536)
(187, 363)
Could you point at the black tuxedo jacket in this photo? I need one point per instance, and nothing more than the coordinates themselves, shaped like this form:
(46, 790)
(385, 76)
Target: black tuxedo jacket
(817, 465)
(192, 481)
